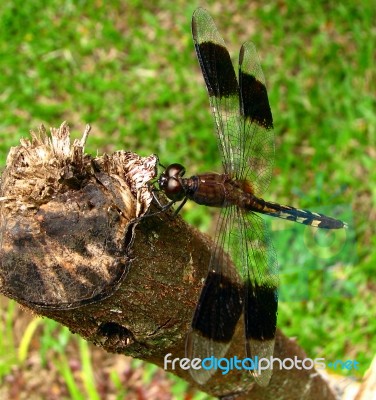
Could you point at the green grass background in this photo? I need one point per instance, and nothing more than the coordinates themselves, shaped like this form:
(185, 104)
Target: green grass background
(129, 69)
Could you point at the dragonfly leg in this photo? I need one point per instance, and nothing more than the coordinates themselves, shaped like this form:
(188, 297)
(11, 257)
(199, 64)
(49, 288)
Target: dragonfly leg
(181, 205)
(162, 207)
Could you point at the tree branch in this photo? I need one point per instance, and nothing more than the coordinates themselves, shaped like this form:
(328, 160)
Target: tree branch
(75, 248)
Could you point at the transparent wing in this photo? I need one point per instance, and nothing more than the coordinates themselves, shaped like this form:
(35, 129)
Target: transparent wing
(257, 262)
(242, 116)
(256, 137)
(250, 289)
(246, 240)
(222, 85)
(220, 304)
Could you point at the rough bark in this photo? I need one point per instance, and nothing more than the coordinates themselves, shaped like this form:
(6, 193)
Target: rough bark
(76, 248)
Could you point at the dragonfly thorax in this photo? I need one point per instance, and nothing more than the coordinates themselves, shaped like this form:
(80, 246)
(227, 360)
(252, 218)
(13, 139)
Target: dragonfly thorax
(209, 189)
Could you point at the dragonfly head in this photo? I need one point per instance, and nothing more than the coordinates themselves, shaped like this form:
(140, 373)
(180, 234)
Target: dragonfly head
(170, 182)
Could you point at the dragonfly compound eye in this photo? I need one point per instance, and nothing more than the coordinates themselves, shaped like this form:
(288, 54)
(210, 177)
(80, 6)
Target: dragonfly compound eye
(175, 170)
(174, 189)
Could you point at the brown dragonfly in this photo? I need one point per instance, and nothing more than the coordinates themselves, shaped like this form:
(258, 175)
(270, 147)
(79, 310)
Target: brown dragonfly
(244, 127)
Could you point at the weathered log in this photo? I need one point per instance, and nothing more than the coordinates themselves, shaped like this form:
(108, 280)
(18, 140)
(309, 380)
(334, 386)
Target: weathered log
(76, 247)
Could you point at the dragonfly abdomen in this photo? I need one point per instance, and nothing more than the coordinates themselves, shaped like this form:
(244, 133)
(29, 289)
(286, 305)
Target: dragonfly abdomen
(293, 214)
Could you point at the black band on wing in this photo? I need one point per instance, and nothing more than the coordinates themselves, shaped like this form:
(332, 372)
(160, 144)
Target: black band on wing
(254, 103)
(260, 311)
(219, 308)
(217, 69)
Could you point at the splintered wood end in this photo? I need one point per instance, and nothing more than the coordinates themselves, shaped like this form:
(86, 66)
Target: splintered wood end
(67, 219)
